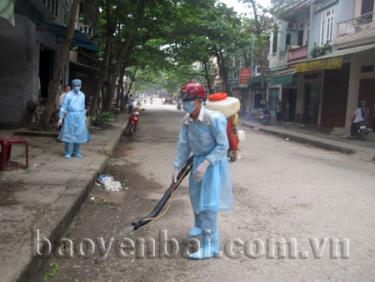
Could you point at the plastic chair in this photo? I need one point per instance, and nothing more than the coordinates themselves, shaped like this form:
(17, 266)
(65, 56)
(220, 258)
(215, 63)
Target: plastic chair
(6, 150)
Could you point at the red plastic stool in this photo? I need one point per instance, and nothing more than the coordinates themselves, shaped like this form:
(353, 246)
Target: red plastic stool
(6, 149)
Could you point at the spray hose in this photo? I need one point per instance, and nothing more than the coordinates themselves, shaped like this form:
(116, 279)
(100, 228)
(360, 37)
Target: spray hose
(156, 211)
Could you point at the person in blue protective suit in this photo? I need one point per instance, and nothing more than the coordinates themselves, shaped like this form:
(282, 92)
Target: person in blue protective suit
(74, 131)
(204, 134)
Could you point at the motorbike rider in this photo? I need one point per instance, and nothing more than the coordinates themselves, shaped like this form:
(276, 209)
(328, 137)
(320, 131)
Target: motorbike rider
(359, 119)
(133, 121)
(203, 133)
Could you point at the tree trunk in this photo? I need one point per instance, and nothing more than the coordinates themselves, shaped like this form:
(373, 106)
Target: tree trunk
(53, 87)
(262, 63)
(124, 54)
(132, 81)
(207, 75)
(105, 64)
(120, 88)
(224, 73)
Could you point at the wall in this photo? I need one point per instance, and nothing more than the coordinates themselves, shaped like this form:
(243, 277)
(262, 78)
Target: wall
(357, 61)
(18, 61)
(346, 10)
(274, 58)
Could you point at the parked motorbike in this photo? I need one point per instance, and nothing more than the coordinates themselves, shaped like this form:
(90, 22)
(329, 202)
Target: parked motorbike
(362, 132)
(132, 123)
(265, 118)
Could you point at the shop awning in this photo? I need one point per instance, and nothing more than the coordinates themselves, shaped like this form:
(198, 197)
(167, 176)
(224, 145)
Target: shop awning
(284, 80)
(254, 80)
(79, 40)
(331, 61)
(283, 77)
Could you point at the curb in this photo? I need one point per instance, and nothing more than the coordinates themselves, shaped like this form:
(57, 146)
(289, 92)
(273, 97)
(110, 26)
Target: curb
(315, 143)
(36, 263)
(303, 140)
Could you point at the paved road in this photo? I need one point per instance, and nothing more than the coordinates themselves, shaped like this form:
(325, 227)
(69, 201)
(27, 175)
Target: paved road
(283, 191)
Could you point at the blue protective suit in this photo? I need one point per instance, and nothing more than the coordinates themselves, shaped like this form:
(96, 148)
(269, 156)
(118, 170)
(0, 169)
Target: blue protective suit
(73, 112)
(206, 138)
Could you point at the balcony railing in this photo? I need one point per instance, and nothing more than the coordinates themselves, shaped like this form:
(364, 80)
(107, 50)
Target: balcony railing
(86, 29)
(59, 10)
(297, 53)
(355, 25)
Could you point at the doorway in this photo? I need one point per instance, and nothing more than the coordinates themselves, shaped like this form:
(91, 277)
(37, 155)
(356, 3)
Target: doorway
(312, 102)
(46, 60)
(289, 102)
(367, 94)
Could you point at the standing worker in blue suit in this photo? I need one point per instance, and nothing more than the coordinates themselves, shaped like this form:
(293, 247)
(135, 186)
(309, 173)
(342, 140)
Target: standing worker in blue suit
(204, 134)
(74, 131)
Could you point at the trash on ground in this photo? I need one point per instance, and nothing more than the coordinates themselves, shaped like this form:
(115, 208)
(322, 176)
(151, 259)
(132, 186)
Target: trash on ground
(109, 183)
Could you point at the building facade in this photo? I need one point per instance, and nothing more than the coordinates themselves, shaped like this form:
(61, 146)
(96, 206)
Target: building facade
(322, 61)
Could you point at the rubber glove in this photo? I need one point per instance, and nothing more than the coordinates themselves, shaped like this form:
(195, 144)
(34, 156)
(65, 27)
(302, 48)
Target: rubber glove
(175, 175)
(60, 122)
(201, 170)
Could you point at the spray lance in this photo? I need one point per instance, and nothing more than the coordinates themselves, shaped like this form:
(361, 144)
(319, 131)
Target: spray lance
(157, 210)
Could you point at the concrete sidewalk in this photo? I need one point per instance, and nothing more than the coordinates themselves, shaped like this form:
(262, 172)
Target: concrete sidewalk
(362, 150)
(47, 196)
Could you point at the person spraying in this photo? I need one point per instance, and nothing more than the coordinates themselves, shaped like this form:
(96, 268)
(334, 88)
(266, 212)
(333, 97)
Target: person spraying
(204, 134)
(74, 131)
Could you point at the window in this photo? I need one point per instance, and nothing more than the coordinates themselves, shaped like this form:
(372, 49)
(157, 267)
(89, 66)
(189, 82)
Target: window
(288, 40)
(368, 68)
(367, 10)
(300, 37)
(326, 26)
(274, 40)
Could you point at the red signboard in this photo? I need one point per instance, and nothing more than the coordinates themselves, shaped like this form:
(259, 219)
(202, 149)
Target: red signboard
(245, 75)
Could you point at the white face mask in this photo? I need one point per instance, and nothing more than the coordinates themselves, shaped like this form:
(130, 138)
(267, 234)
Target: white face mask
(76, 89)
(189, 106)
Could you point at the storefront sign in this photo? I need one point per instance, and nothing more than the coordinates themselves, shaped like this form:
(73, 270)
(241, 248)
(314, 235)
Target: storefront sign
(245, 75)
(319, 65)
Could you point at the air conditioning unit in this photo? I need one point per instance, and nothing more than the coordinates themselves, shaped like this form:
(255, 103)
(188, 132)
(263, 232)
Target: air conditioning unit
(292, 25)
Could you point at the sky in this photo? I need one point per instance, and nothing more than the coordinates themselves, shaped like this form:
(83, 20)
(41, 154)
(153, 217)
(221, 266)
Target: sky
(241, 8)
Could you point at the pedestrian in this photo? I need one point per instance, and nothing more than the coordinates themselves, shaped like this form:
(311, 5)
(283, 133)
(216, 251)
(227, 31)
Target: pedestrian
(204, 134)
(359, 118)
(60, 98)
(130, 103)
(59, 101)
(74, 131)
(279, 111)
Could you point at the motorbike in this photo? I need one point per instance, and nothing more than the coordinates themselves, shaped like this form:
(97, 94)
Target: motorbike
(265, 118)
(179, 106)
(362, 132)
(132, 123)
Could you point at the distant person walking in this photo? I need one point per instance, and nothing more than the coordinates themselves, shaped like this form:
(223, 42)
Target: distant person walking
(60, 98)
(130, 103)
(279, 115)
